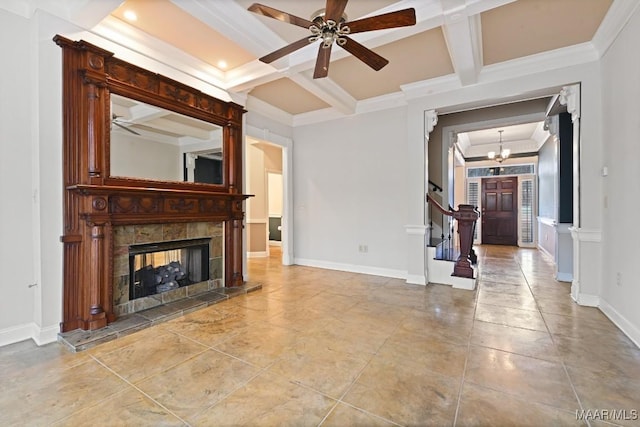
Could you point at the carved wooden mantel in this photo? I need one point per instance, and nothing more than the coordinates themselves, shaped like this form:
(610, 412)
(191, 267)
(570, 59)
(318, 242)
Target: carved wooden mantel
(94, 201)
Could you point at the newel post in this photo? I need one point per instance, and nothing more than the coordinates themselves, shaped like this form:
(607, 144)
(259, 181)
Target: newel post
(466, 215)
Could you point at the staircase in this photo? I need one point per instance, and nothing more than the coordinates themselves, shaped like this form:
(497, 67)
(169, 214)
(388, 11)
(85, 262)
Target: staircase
(453, 251)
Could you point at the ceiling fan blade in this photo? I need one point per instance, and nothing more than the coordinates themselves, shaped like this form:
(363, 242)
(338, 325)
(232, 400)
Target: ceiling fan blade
(277, 54)
(322, 63)
(400, 18)
(125, 128)
(364, 54)
(270, 12)
(334, 9)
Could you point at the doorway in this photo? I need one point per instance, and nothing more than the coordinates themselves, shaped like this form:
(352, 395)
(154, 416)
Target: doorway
(274, 203)
(500, 211)
(265, 154)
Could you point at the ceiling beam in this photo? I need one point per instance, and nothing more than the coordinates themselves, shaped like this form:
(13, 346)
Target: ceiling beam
(462, 33)
(235, 23)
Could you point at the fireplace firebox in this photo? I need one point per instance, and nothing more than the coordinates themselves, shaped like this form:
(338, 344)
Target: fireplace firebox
(155, 268)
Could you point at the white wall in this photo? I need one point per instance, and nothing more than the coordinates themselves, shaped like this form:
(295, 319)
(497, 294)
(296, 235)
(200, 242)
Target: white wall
(16, 175)
(350, 190)
(137, 157)
(31, 178)
(621, 130)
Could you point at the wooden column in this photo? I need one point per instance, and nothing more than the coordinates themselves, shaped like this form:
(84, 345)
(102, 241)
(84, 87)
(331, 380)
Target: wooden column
(466, 215)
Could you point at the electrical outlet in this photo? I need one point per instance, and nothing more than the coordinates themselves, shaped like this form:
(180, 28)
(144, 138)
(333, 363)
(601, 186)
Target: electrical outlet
(619, 278)
(363, 249)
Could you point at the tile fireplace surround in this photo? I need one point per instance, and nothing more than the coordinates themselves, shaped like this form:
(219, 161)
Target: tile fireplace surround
(126, 235)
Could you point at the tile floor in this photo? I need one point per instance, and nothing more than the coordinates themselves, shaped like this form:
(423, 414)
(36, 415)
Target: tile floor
(318, 347)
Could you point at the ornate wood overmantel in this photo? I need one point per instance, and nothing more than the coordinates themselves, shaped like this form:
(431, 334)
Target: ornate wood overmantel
(94, 201)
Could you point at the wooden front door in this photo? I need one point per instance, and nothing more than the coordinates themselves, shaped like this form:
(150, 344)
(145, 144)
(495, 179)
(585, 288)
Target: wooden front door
(500, 211)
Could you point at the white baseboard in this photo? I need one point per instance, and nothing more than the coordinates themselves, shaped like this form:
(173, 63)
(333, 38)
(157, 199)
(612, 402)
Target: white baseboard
(464, 282)
(564, 277)
(621, 322)
(16, 334)
(352, 268)
(262, 254)
(545, 252)
(588, 300)
(46, 335)
(416, 279)
(40, 336)
(275, 243)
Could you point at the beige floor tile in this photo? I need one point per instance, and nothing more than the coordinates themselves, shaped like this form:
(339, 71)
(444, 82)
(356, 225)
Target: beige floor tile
(582, 326)
(598, 390)
(502, 277)
(268, 400)
(396, 354)
(329, 302)
(480, 406)
(148, 357)
(436, 355)
(346, 415)
(260, 345)
(26, 359)
(322, 365)
(600, 352)
(522, 301)
(428, 398)
(510, 317)
(504, 288)
(441, 329)
(55, 395)
(526, 342)
(127, 408)
(209, 327)
(529, 378)
(350, 336)
(198, 383)
(555, 290)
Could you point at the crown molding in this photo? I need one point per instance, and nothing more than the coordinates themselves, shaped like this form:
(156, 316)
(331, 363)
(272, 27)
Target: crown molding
(235, 23)
(431, 86)
(552, 60)
(18, 7)
(126, 39)
(614, 21)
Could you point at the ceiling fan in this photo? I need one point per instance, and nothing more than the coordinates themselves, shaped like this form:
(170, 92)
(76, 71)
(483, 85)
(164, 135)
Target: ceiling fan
(115, 119)
(329, 26)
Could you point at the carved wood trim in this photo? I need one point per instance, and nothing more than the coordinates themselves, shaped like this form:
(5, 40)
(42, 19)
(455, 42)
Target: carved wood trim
(94, 201)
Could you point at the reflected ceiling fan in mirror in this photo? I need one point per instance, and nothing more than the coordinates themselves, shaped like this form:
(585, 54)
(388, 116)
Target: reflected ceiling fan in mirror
(115, 119)
(330, 26)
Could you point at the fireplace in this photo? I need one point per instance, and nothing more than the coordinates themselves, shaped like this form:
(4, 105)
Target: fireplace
(197, 246)
(105, 213)
(160, 267)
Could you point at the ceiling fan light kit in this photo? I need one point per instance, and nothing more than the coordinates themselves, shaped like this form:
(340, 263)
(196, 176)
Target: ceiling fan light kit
(330, 26)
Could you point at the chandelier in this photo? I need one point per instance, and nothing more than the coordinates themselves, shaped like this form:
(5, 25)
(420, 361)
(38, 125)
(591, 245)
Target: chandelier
(502, 155)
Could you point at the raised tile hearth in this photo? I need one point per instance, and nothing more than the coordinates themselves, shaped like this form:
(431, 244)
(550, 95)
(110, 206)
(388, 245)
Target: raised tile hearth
(79, 340)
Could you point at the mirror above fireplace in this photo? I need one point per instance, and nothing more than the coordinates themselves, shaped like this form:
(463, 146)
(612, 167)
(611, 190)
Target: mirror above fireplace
(150, 142)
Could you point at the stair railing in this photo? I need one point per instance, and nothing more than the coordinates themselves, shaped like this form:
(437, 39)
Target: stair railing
(435, 188)
(466, 215)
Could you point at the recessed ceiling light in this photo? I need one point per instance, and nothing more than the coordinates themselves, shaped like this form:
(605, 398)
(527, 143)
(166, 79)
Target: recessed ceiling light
(222, 64)
(130, 15)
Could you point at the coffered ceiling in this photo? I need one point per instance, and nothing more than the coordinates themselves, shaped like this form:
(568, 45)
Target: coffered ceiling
(455, 42)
